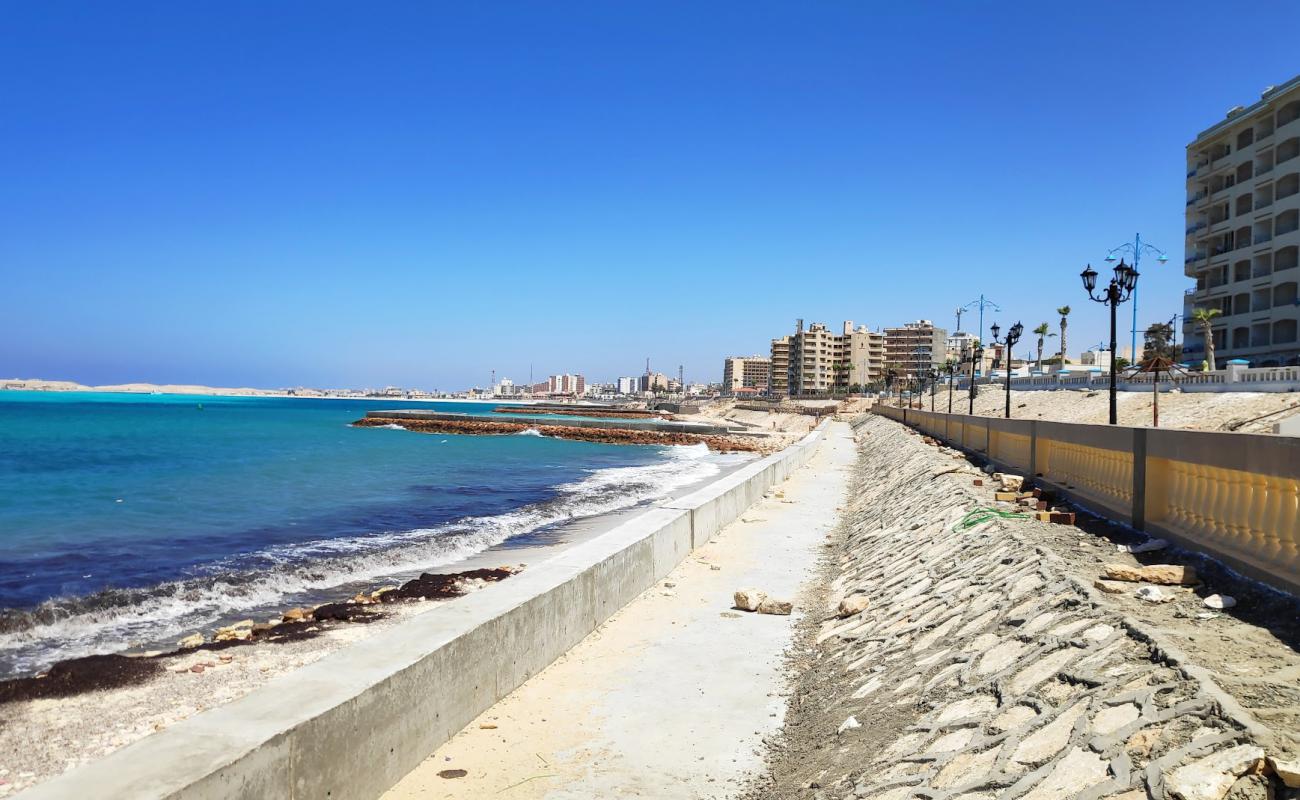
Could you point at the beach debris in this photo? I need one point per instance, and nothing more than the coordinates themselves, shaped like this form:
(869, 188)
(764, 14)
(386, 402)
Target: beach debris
(197, 669)
(487, 726)
(715, 568)
(452, 773)
(1220, 601)
(848, 725)
(1152, 594)
(854, 604)
(1149, 546)
(191, 641)
(1164, 574)
(341, 612)
(431, 586)
(729, 615)
(748, 599)
(771, 605)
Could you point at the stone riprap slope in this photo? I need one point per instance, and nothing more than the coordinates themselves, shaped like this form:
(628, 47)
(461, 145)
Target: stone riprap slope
(984, 666)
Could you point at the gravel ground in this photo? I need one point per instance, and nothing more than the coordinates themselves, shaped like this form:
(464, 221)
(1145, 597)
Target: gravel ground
(987, 666)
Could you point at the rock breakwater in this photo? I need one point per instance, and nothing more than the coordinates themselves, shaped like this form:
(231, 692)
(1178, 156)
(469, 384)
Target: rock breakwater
(717, 443)
(621, 413)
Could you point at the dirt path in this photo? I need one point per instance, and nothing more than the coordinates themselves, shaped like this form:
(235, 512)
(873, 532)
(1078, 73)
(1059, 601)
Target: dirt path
(672, 696)
(986, 666)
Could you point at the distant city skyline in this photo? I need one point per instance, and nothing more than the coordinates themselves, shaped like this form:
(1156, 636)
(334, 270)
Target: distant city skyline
(328, 196)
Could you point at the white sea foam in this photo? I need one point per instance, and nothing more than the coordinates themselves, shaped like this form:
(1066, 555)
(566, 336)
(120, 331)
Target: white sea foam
(67, 628)
(529, 432)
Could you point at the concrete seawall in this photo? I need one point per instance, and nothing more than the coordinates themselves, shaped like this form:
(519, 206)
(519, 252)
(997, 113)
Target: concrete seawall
(352, 724)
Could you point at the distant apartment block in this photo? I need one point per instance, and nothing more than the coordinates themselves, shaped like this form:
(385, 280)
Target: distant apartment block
(817, 362)
(1243, 231)
(629, 385)
(915, 348)
(655, 382)
(746, 375)
(565, 384)
(960, 347)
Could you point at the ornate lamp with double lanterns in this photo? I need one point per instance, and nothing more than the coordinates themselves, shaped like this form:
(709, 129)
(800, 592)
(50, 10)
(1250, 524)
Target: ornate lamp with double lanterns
(1013, 336)
(1119, 291)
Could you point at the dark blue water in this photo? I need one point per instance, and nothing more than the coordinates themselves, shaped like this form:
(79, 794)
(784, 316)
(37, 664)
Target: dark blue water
(132, 517)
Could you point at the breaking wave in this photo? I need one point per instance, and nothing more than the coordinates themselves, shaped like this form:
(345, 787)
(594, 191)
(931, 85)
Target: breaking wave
(274, 577)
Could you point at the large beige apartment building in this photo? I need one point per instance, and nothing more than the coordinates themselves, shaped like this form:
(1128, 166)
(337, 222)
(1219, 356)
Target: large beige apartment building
(818, 362)
(752, 373)
(1243, 231)
(915, 348)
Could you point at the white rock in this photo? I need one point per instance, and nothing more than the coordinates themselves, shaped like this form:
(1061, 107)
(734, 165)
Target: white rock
(1288, 771)
(1211, 777)
(1220, 601)
(854, 604)
(748, 599)
(771, 605)
(1150, 545)
(1152, 594)
(848, 725)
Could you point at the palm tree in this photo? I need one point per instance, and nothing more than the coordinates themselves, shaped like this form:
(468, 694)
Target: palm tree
(1064, 311)
(1041, 330)
(1205, 318)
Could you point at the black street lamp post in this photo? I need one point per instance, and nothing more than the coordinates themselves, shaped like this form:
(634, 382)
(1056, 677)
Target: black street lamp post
(1013, 336)
(977, 357)
(951, 368)
(1119, 291)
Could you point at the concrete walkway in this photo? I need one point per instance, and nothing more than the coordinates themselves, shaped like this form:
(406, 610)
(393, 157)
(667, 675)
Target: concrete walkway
(672, 696)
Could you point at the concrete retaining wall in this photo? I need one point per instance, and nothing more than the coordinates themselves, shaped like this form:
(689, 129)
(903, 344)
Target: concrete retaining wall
(352, 724)
(1235, 496)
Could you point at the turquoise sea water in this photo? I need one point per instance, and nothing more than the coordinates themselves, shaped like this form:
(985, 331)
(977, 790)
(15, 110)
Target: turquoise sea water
(134, 518)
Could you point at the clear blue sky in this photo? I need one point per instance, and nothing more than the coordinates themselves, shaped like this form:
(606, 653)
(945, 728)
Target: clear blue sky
(353, 194)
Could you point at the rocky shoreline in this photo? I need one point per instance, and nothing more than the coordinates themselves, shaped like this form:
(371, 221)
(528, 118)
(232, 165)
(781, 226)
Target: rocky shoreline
(717, 443)
(114, 670)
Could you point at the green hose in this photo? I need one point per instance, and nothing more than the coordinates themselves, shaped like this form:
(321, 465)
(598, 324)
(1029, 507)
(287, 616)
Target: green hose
(982, 515)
